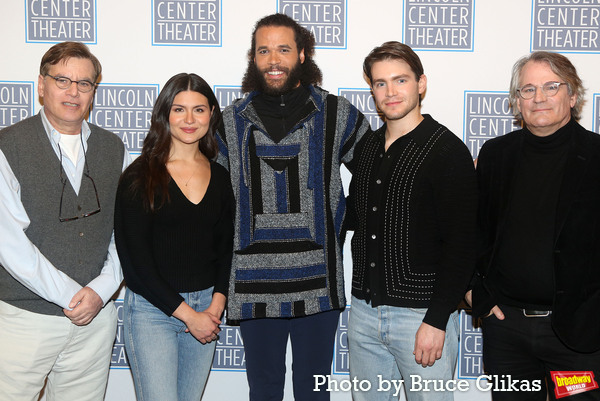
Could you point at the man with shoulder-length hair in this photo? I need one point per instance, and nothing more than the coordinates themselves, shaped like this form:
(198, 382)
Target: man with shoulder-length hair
(58, 179)
(413, 203)
(537, 286)
(283, 144)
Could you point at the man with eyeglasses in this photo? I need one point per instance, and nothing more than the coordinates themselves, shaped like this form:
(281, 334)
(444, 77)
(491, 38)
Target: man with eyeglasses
(58, 178)
(538, 282)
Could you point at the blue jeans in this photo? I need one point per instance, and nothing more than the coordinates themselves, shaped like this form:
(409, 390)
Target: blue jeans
(166, 362)
(381, 341)
(265, 343)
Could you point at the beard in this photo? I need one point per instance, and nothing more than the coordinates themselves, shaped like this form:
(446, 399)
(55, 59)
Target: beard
(293, 79)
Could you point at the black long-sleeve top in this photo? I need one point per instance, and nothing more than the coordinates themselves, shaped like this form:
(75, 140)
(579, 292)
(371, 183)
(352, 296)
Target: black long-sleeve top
(524, 263)
(181, 247)
(414, 207)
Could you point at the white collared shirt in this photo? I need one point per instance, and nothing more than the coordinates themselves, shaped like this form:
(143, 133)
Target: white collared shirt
(23, 260)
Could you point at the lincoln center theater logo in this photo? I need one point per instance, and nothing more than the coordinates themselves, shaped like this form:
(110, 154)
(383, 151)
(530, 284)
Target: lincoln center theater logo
(59, 20)
(229, 354)
(186, 22)
(126, 110)
(487, 115)
(438, 24)
(470, 363)
(340, 354)
(363, 101)
(326, 19)
(566, 26)
(119, 359)
(226, 94)
(16, 102)
(596, 127)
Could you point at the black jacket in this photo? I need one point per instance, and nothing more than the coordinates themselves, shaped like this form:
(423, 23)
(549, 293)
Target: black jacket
(576, 303)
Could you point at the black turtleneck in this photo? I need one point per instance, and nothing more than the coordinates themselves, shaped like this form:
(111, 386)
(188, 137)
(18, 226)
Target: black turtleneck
(280, 114)
(525, 256)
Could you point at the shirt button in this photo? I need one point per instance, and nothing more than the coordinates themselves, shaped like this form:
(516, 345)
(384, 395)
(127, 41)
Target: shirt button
(378, 181)
(81, 234)
(374, 208)
(373, 236)
(372, 264)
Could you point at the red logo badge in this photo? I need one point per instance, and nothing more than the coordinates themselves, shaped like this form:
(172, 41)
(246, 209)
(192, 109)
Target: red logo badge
(569, 383)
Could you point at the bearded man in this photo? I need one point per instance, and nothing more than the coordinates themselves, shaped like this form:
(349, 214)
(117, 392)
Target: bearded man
(283, 144)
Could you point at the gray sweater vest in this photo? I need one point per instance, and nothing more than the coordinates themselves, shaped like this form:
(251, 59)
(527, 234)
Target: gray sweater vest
(79, 247)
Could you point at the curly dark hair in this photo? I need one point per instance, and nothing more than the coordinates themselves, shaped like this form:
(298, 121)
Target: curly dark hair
(151, 177)
(305, 40)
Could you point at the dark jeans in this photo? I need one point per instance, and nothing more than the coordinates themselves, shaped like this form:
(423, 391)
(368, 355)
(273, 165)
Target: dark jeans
(265, 343)
(526, 348)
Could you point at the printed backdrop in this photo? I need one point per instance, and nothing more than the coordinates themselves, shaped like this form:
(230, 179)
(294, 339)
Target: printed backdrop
(467, 47)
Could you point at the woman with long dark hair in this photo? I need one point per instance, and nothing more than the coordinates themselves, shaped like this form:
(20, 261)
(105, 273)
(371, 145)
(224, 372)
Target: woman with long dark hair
(173, 231)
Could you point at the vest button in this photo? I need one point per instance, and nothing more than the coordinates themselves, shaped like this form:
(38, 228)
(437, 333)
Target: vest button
(81, 234)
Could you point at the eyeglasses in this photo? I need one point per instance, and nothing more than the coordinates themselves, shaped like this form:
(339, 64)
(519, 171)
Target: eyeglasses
(83, 85)
(64, 184)
(549, 89)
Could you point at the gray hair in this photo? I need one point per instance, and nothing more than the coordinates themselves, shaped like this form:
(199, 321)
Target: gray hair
(561, 66)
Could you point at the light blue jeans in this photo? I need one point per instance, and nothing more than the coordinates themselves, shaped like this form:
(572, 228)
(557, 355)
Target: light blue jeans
(167, 363)
(381, 341)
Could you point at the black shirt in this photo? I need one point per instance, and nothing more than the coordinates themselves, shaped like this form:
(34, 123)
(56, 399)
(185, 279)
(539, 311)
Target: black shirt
(181, 247)
(413, 209)
(524, 275)
(280, 114)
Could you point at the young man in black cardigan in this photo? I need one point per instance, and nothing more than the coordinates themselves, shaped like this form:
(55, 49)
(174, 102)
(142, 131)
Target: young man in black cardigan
(413, 198)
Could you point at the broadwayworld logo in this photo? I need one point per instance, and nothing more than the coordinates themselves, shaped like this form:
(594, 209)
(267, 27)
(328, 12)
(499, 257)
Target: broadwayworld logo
(438, 24)
(186, 23)
(571, 26)
(16, 102)
(60, 20)
(569, 383)
(326, 19)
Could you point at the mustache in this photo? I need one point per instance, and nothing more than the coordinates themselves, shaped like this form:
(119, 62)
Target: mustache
(275, 68)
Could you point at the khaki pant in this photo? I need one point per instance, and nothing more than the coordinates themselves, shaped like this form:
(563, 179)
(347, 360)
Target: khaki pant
(74, 359)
